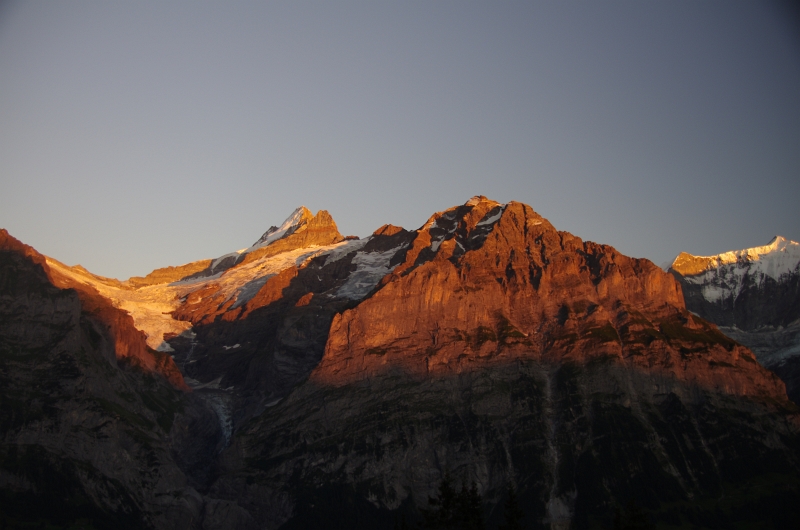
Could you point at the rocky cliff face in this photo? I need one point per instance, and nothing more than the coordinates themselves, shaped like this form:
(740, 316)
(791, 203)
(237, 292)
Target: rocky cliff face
(337, 372)
(499, 350)
(486, 283)
(754, 295)
(573, 440)
(83, 439)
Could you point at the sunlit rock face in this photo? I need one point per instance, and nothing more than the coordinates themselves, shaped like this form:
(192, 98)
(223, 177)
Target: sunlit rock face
(754, 296)
(129, 343)
(486, 283)
(331, 371)
(497, 349)
(747, 289)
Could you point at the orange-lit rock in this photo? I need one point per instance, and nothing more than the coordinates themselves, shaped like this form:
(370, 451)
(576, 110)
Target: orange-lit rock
(316, 230)
(129, 343)
(474, 291)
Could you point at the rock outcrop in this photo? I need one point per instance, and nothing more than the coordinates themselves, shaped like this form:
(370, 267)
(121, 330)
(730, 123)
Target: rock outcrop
(168, 274)
(754, 296)
(332, 372)
(498, 350)
(486, 283)
(80, 438)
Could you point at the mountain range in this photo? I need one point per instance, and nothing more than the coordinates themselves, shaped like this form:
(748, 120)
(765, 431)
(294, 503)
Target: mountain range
(314, 380)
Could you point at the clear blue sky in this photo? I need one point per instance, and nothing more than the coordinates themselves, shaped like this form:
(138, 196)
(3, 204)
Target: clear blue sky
(135, 135)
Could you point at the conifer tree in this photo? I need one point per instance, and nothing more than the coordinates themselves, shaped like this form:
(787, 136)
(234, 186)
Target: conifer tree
(455, 511)
(440, 515)
(511, 512)
(469, 512)
(633, 518)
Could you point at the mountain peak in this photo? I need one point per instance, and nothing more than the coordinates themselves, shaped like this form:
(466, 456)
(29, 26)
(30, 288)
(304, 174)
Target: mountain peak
(298, 217)
(777, 257)
(301, 229)
(477, 199)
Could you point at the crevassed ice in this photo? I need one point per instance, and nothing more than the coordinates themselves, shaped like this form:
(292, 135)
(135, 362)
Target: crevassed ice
(370, 268)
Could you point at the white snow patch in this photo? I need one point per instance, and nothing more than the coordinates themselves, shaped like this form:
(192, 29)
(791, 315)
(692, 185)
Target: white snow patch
(436, 243)
(727, 273)
(273, 234)
(244, 281)
(232, 347)
(220, 405)
(197, 385)
(151, 306)
(370, 268)
(493, 219)
(220, 259)
(346, 247)
(165, 347)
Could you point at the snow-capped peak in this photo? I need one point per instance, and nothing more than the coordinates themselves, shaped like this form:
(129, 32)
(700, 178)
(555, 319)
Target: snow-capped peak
(289, 226)
(777, 248)
(725, 274)
(780, 256)
(477, 199)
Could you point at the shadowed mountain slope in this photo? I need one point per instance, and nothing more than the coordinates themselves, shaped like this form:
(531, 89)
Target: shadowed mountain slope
(342, 379)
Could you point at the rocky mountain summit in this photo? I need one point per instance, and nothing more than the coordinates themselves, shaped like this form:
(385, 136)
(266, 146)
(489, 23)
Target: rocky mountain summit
(754, 296)
(747, 289)
(319, 381)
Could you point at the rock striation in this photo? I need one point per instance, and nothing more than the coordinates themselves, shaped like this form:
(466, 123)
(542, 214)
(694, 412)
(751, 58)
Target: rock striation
(485, 283)
(499, 350)
(330, 371)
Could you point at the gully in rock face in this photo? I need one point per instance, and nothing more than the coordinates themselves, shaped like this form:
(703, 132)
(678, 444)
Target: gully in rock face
(314, 380)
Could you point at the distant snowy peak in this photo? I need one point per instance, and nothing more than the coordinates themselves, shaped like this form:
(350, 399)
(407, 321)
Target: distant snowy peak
(726, 276)
(298, 218)
(780, 256)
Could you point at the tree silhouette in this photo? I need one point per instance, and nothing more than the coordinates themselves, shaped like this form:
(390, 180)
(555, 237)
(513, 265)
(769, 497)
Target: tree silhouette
(469, 508)
(440, 515)
(633, 518)
(511, 512)
(454, 511)
(400, 524)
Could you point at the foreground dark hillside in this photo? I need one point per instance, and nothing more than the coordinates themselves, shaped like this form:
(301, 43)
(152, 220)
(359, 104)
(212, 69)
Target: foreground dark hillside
(574, 441)
(86, 437)
(337, 382)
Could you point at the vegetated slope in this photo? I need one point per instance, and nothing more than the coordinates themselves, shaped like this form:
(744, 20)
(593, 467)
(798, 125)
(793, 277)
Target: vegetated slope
(500, 350)
(754, 295)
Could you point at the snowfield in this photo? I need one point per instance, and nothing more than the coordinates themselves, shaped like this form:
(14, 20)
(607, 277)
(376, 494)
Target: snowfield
(727, 273)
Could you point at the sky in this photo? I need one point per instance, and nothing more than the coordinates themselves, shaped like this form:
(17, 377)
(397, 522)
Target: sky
(137, 135)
